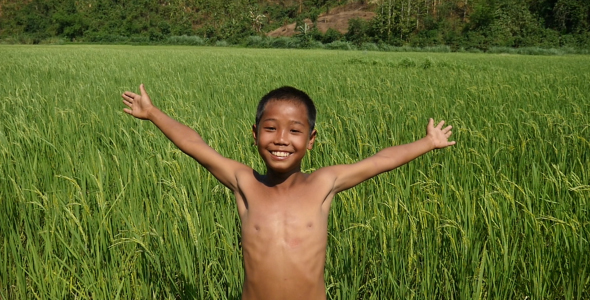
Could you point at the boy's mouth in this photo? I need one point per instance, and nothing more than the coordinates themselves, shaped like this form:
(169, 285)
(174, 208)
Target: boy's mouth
(280, 153)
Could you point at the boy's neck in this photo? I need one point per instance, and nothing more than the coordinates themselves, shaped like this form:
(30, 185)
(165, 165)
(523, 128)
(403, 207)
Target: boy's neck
(273, 178)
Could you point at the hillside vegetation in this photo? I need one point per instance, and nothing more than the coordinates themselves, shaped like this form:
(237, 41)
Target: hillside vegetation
(477, 24)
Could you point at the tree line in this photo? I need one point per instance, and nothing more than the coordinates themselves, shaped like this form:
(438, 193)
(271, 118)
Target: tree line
(478, 24)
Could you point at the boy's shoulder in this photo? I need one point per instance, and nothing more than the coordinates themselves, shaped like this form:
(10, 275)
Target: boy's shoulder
(323, 177)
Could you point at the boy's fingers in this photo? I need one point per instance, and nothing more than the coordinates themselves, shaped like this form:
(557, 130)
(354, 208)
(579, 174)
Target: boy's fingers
(439, 126)
(128, 103)
(142, 89)
(129, 95)
(128, 111)
(447, 129)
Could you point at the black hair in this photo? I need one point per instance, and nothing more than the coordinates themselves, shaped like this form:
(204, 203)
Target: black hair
(288, 93)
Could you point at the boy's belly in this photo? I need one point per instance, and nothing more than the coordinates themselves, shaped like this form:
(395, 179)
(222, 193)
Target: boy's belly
(284, 264)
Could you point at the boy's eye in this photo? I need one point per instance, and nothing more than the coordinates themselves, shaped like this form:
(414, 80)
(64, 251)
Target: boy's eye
(295, 131)
(269, 128)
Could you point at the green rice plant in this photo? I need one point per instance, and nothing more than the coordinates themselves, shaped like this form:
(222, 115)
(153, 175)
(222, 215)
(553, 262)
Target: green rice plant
(97, 205)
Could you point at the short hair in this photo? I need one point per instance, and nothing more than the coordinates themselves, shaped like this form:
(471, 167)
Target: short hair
(288, 93)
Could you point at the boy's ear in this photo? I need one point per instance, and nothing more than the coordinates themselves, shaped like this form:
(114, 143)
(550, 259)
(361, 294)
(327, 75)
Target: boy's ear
(311, 139)
(254, 133)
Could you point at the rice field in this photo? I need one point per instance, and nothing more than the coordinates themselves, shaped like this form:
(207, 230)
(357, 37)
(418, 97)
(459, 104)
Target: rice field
(97, 205)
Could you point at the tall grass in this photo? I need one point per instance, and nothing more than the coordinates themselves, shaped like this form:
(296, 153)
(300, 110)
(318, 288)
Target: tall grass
(97, 205)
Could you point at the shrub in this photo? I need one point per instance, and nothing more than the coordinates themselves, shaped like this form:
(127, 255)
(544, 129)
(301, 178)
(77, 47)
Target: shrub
(192, 40)
(386, 47)
(428, 62)
(221, 43)
(340, 45)
(53, 41)
(284, 42)
(527, 51)
(139, 39)
(407, 63)
(106, 38)
(440, 48)
(255, 41)
(357, 31)
(369, 47)
(331, 36)
(314, 45)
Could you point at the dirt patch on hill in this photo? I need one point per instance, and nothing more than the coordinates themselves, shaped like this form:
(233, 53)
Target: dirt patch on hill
(336, 19)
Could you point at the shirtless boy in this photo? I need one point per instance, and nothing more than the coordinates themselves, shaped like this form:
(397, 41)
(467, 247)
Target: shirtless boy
(284, 213)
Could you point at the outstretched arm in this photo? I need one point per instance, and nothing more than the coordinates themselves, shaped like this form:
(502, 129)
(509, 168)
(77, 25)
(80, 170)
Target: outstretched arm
(347, 176)
(185, 138)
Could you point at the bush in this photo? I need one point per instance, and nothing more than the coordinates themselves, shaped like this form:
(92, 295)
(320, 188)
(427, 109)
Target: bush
(284, 42)
(106, 38)
(331, 36)
(53, 41)
(340, 45)
(386, 47)
(221, 43)
(568, 40)
(369, 47)
(440, 48)
(192, 40)
(357, 31)
(550, 39)
(21, 39)
(313, 45)
(407, 63)
(255, 41)
(428, 62)
(139, 39)
(425, 38)
(527, 51)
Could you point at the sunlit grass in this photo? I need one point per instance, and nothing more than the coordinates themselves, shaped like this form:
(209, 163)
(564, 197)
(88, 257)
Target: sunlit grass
(98, 205)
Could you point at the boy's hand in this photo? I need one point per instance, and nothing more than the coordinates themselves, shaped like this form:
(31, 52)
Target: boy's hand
(140, 105)
(439, 136)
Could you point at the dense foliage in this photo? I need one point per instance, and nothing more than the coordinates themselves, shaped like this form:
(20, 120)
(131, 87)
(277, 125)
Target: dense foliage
(477, 24)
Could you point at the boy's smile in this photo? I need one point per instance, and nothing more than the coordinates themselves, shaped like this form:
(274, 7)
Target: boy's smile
(283, 136)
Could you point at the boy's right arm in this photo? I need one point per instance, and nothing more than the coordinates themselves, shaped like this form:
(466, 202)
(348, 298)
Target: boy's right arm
(343, 177)
(185, 138)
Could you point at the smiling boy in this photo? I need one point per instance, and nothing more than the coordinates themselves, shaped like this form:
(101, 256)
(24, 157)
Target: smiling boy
(284, 213)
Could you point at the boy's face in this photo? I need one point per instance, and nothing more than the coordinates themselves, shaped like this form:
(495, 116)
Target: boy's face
(283, 135)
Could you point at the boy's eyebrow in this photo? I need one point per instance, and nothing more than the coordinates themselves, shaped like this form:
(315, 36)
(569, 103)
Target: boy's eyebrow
(297, 122)
(292, 121)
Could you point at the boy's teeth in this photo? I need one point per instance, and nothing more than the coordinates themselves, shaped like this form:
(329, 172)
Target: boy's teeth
(280, 154)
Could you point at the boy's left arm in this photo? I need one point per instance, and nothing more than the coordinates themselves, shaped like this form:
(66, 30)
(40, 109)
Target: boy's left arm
(347, 176)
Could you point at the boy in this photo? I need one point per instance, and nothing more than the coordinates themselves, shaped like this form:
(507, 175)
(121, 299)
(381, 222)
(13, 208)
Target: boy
(284, 213)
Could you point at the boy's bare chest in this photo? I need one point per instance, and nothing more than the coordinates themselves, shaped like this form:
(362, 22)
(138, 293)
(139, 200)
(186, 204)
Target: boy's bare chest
(287, 219)
(298, 198)
(299, 203)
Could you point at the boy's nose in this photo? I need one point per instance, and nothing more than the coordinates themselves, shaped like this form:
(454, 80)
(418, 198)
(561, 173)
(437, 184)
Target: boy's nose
(281, 138)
